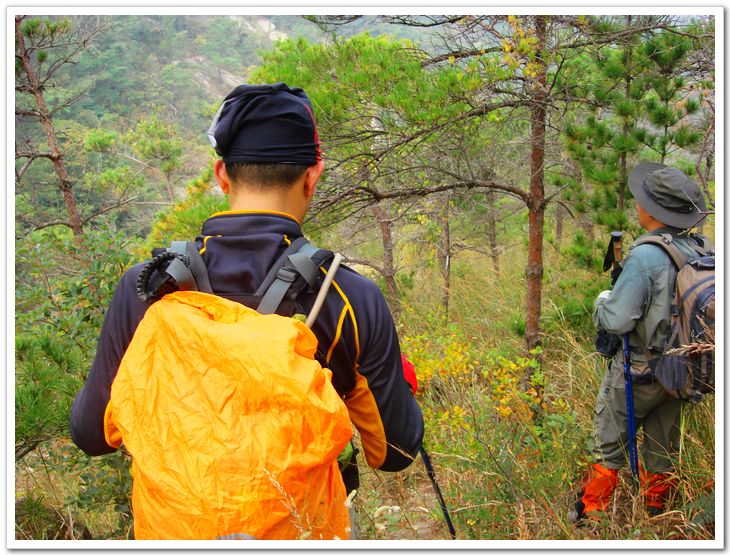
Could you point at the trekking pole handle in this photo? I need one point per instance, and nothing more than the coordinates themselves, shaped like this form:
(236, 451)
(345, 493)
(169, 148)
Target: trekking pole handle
(618, 254)
(319, 301)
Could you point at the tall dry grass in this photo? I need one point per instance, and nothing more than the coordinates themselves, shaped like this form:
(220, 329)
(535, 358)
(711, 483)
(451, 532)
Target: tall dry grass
(508, 457)
(507, 473)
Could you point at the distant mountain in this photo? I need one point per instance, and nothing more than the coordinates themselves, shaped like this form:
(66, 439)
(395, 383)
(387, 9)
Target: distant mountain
(185, 61)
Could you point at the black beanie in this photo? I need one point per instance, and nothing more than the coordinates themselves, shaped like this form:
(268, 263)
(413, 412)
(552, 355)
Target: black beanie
(266, 124)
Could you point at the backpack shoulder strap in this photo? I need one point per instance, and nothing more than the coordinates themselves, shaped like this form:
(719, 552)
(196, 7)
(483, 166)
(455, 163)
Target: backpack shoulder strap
(300, 260)
(195, 271)
(278, 264)
(704, 245)
(665, 242)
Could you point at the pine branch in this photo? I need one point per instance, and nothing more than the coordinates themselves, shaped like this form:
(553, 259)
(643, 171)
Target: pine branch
(33, 155)
(68, 102)
(706, 153)
(424, 134)
(145, 164)
(405, 193)
(19, 172)
(431, 21)
(363, 262)
(610, 37)
(476, 183)
(461, 54)
(109, 208)
(77, 46)
(332, 19)
(38, 226)
(29, 113)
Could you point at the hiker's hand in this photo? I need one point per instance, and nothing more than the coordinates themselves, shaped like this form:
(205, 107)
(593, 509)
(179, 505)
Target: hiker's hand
(607, 343)
(604, 294)
(409, 372)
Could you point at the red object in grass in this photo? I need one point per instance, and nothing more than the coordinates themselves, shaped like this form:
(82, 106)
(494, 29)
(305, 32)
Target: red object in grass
(409, 372)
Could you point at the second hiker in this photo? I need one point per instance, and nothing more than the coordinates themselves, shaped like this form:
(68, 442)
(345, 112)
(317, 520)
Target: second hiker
(668, 203)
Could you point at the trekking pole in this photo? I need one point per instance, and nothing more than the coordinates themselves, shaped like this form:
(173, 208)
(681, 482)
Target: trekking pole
(319, 301)
(432, 475)
(633, 454)
(629, 386)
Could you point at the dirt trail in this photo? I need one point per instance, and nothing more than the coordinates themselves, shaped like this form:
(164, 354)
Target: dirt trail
(400, 506)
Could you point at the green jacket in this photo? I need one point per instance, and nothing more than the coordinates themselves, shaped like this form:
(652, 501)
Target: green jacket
(641, 300)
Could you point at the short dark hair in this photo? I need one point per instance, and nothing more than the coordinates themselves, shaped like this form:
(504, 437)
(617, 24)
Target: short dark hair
(265, 175)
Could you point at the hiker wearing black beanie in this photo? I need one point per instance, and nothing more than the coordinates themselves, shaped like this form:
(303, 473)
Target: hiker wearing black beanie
(270, 162)
(267, 140)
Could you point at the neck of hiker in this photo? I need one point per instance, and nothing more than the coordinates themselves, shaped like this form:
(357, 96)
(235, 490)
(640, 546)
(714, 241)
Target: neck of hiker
(293, 199)
(286, 200)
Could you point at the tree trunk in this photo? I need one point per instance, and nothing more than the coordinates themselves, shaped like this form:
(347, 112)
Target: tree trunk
(559, 218)
(443, 253)
(386, 232)
(536, 201)
(170, 190)
(492, 231)
(583, 219)
(624, 176)
(65, 184)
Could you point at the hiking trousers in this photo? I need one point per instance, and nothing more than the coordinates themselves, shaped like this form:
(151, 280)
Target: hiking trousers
(655, 411)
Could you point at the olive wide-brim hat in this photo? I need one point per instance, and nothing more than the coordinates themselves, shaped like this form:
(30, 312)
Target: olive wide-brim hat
(667, 194)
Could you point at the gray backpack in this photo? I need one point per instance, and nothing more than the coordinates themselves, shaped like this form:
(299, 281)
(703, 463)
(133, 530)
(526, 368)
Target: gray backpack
(686, 366)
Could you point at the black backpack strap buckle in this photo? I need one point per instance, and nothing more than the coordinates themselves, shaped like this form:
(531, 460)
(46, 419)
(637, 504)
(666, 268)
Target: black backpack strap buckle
(178, 268)
(296, 270)
(286, 274)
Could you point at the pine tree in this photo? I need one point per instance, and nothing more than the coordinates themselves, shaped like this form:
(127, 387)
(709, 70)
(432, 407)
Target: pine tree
(604, 143)
(668, 104)
(42, 47)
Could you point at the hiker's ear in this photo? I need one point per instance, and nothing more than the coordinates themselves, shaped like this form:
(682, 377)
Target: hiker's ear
(311, 176)
(221, 176)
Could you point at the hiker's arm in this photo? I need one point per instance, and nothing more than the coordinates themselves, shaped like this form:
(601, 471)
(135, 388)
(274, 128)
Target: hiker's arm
(87, 414)
(381, 405)
(618, 312)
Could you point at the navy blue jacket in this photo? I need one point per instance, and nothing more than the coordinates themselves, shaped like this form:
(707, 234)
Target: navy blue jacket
(357, 339)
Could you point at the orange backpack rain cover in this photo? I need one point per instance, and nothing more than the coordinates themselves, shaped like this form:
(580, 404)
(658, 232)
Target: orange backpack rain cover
(232, 425)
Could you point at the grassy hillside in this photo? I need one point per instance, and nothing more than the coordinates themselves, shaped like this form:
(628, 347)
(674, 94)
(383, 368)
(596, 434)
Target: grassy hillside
(505, 473)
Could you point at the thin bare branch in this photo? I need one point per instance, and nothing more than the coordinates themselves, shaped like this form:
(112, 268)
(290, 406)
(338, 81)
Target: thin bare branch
(367, 263)
(20, 171)
(459, 55)
(68, 102)
(35, 226)
(29, 113)
(425, 20)
(33, 155)
(109, 208)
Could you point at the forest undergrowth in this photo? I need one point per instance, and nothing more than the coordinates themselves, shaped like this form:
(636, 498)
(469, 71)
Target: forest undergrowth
(508, 455)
